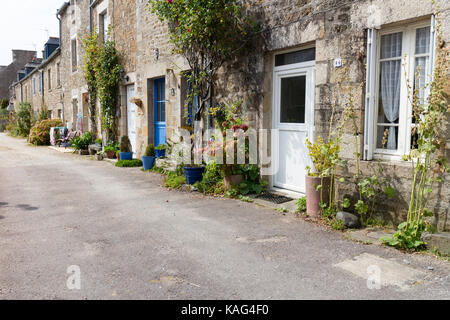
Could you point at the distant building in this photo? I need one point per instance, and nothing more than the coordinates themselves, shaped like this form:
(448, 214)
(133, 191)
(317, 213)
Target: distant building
(8, 74)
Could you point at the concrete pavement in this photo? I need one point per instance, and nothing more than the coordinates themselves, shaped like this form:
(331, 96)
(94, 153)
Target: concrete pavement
(132, 239)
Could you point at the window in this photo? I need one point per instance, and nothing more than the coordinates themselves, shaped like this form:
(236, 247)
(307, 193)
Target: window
(58, 74)
(49, 79)
(402, 57)
(103, 24)
(40, 81)
(293, 100)
(34, 85)
(74, 55)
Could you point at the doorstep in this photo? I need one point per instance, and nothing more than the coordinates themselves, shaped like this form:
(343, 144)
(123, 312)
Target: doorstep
(62, 150)
(290, 206)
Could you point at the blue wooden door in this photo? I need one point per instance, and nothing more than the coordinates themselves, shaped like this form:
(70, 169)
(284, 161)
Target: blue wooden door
(160, 111)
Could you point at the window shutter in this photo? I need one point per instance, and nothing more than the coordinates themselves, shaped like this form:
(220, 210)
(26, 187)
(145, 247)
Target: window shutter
(370, 93)
(433, 39)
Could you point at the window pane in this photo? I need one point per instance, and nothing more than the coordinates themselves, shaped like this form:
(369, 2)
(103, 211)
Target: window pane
(293, 100)
(295, 57)
(423, 40)
(389, 106)
(391, 45)
(421, 75)
(387, 137)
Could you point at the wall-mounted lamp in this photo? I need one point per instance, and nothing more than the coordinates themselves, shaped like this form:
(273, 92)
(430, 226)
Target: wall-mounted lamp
(172, 92)
(157, 53)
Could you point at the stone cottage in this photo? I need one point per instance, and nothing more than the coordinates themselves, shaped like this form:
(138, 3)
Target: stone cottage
(289, 81)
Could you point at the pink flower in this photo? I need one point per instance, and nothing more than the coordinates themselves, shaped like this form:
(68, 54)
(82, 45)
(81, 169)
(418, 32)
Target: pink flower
(224, 124)
(169, 1)
(244, 127)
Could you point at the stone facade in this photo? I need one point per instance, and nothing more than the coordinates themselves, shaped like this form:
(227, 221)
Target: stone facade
(8, 74)
(336, 29)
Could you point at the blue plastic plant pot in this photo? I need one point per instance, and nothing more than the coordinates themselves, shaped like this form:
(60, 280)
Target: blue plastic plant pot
(126, 156)
(193, 175)
(160, 153)
(149, 163)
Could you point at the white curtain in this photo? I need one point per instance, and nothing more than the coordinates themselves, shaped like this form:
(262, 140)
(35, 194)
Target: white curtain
(390, 94)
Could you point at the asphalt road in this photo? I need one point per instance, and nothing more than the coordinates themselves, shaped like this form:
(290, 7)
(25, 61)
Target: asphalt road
(133, 239)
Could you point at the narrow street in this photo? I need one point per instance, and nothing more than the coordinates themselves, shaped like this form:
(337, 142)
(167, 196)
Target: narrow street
(133, 239)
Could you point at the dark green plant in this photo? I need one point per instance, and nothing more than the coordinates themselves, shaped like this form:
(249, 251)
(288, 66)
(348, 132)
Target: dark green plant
(301, 205)
(83, 142)
(4, 104)
(175, 181)
(125, 144)
(24, 119)
(136, 163)
(150, 151)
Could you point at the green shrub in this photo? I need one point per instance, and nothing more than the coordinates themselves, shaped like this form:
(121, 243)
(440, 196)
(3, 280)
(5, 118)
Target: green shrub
(83, 142)
(24, 119)
(40, 133)
(301, 205)
(150, 151)
(125, 144)
(339, 225)
(174, 181)
(129, 163)
(4, 104)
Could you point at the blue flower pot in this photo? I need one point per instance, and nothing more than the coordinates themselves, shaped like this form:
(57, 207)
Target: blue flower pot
(149, 163)
(126, 156)
(160, 153)
(193, 174)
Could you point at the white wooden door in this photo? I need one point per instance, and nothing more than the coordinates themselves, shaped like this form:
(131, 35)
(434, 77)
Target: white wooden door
(293, 116)
(131, 117)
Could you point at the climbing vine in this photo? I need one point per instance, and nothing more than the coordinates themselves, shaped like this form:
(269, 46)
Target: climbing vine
(208, 34)
(102, 71)
(108, 74)
(92, 49)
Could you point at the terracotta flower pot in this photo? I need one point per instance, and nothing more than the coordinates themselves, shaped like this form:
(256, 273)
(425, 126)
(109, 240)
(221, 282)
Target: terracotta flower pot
(314, 197)
(233, 180)
(111, 154)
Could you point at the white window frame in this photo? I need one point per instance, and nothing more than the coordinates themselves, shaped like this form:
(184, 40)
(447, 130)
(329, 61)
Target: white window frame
(73, 67)
(405, 112)
(49, 74)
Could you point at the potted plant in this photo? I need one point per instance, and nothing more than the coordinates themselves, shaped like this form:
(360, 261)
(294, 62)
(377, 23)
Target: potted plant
(110, 151)
(125, 149)
(149, 157)
(320, 179)
(81, 144)
(194, 173)
(161, 151)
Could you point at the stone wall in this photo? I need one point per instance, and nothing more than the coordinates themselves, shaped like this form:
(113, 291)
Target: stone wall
(8, 74)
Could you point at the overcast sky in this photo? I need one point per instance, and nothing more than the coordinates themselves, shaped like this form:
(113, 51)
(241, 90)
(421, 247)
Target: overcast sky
(26, 24)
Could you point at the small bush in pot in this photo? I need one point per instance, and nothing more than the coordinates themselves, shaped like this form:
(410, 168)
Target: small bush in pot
(82, 143)
(149, 157)
(320, 179)
(125, 149)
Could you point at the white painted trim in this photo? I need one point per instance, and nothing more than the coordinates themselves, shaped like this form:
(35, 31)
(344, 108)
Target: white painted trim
(299, 69)
(405, 118)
